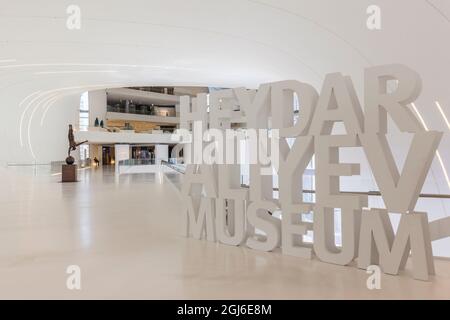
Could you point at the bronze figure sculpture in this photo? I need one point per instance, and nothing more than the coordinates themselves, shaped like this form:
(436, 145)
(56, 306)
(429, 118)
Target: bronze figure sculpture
(72, 146)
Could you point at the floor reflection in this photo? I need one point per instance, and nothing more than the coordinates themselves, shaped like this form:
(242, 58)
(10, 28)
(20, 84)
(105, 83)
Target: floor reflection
(123, 231)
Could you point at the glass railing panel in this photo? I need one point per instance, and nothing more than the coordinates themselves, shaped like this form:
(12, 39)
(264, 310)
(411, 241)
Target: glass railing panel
(137, 162)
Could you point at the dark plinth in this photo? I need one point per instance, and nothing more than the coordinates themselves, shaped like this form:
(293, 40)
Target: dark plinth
(69, 173)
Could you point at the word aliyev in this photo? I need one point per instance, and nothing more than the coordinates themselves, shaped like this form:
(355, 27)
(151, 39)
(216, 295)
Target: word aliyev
(219, 209)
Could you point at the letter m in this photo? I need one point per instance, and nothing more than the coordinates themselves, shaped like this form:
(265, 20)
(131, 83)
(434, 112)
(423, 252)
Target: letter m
(378, 244)
(198, 217)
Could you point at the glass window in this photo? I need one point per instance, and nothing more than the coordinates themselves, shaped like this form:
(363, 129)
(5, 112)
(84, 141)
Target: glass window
(84, 102)
(84, 123)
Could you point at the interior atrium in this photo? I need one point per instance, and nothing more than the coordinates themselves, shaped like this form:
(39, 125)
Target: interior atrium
(120, 179)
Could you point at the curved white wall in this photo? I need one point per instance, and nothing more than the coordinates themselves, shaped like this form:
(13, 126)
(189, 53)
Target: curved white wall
(36, 132)
(212, 43)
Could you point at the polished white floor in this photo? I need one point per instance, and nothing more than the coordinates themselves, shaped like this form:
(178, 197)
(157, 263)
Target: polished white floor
(123, 233)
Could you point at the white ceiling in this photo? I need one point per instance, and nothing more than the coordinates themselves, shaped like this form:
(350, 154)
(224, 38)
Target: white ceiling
(219, 43)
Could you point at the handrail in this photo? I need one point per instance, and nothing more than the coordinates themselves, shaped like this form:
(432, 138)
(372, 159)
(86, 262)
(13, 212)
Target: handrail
(366, 193)
(172, 166)
(373, 193)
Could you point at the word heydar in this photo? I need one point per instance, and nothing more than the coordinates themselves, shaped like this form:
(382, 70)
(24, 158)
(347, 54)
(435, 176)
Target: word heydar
(219, 209)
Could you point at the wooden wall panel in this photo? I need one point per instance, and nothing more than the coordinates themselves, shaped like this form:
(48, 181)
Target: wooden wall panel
(137, 125)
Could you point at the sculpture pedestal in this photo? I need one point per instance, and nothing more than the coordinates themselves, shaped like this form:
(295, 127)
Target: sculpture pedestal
(69, 173)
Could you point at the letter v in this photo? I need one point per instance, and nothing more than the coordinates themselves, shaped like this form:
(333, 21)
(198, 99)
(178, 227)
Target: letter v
(400, 192)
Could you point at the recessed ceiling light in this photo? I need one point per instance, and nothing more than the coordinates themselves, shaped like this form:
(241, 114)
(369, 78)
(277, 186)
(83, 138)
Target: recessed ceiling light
(76, 71)
(442, 114)
(438, 155)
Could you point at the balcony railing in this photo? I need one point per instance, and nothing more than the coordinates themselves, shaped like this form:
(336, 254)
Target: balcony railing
(163, 90)
(142, 110)
(137, 162)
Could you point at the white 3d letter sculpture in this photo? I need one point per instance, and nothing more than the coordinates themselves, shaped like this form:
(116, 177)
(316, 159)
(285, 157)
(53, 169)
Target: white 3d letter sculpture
(218, 208)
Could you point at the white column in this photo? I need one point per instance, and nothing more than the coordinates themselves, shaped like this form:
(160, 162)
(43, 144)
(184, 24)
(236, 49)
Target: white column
(122, 153)
(161, 153)
(97, 106)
